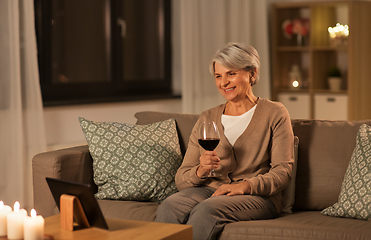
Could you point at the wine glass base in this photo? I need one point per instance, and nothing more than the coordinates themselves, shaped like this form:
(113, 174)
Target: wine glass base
(212, 173)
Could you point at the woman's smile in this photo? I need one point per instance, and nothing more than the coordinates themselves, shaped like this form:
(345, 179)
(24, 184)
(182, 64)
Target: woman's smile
(229, 89)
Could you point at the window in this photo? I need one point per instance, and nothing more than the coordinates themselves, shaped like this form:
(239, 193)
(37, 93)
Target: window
(103, 50)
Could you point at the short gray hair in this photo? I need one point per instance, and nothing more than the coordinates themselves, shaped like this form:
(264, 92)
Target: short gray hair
(237, 56)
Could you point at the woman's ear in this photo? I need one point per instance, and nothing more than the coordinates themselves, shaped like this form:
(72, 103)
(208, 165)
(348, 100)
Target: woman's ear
(252, 73)
(253, 76)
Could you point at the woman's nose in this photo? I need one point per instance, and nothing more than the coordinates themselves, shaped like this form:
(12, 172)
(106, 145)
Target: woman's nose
(225, 81)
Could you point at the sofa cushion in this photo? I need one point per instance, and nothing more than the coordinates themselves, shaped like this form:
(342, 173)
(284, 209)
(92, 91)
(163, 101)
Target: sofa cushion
(132, 162)
(325, 150)
(355, 195)
(307, 225)
(130, 210)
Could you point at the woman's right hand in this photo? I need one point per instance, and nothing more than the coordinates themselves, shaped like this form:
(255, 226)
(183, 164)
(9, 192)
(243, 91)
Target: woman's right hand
(208, 160)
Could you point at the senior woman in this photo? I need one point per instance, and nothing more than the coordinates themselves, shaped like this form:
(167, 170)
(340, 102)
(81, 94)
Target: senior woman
(254, 156)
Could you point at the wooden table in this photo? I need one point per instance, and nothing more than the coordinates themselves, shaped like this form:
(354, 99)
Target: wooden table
(119, 229)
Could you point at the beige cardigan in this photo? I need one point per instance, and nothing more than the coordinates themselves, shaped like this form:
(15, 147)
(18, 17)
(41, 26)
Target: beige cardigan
(262, 155)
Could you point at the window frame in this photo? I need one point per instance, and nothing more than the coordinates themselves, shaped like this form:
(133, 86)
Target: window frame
(54, 94)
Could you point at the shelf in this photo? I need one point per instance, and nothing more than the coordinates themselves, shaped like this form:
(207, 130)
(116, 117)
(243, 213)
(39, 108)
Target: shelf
(293, 49)
(315, 91)
(287, 90)
(310, 48)
(327, 91)
(329, 48)
(317, 55)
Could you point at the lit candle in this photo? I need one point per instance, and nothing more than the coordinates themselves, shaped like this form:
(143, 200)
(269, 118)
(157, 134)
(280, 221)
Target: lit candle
(15, 222)
(4, 210)
(34, 227)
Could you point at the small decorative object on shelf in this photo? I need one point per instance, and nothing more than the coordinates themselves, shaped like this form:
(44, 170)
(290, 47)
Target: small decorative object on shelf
(334, 79)
(338, 35)
(298, 26)
(296, 81)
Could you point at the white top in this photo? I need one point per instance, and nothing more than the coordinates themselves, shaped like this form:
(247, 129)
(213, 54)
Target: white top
(234, 124)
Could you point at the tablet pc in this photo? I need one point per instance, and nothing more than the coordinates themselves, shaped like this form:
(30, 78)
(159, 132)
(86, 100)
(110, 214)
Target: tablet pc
(86, 196)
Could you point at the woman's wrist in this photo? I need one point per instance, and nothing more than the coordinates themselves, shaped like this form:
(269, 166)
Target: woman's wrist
(245, 186)
(202, 173)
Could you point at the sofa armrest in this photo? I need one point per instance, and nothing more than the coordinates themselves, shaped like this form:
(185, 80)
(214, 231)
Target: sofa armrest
(71, 164)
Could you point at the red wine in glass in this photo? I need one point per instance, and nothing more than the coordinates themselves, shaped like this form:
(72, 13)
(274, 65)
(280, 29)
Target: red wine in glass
(208, 138)
(209, 144)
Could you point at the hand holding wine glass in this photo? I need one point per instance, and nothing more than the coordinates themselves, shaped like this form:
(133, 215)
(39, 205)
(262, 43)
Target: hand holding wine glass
(208, 138)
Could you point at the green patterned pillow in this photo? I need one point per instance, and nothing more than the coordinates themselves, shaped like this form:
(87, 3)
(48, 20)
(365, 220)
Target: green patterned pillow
(133, 162)
(355, 195)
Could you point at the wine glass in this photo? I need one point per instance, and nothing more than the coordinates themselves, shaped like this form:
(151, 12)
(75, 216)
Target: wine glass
(208, 138)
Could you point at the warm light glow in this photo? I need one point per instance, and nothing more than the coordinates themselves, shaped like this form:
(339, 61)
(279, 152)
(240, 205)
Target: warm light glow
(1, 205)
(339, 31)
(295, 84)
(33, 213)
(16, 206)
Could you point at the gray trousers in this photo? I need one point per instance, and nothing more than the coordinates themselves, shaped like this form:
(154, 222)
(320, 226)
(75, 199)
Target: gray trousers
(208, 215)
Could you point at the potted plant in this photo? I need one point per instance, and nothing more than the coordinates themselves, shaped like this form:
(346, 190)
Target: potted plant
(334, 79)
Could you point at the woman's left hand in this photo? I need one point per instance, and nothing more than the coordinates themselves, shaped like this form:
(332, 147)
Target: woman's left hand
(233, 189)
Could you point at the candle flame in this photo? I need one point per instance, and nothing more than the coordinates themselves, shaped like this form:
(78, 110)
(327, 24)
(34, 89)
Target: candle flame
(16, 206)
(1, 204)
(33, 213)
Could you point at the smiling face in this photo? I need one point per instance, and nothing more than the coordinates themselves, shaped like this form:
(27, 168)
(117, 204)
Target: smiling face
(234, 85)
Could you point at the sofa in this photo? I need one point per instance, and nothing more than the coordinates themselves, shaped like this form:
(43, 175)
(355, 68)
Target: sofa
(323, 154)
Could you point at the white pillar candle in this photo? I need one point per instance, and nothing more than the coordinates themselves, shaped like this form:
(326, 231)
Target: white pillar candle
(15, 222)
(4, 210)
(33, 227)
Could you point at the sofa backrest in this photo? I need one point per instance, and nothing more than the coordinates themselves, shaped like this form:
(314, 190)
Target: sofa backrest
(325, 149)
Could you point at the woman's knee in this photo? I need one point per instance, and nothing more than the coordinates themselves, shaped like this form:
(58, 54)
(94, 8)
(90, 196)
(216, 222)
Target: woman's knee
(163, 206)
(173, 209)
(164, 212)
(167, 206)
(179, 205)
(206, 208)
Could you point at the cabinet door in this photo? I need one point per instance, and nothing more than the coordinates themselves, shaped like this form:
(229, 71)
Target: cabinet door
(331, 106)
(298, 104)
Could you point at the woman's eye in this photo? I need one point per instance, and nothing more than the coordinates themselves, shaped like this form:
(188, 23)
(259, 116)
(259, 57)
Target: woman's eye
(232, 73)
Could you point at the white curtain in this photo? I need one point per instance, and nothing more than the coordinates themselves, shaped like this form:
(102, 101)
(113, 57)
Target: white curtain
(22, 133)
(206, 26)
